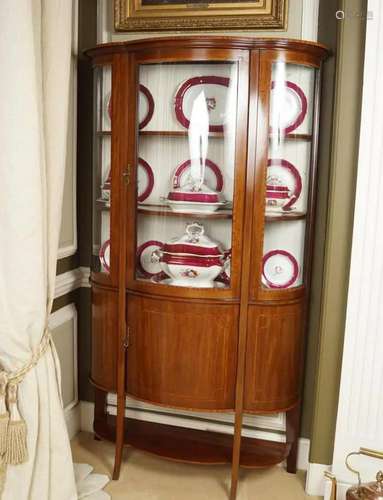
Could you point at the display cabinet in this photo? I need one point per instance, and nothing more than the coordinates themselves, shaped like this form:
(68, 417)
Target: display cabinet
(204, 198)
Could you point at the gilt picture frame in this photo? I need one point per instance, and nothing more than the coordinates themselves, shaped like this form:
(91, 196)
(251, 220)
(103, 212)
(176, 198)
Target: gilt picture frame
(200, 15)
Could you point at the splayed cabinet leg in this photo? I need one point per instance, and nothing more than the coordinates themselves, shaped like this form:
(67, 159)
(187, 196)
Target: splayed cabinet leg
(120, 435)
(292, 432)
(236, 456)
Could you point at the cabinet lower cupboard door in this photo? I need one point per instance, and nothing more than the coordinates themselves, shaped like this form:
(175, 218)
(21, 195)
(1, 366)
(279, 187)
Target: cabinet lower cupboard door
(273, 357)
(182, 354)
(104, 338)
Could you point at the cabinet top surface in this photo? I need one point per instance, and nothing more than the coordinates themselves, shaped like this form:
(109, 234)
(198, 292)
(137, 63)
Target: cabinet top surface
(228, 42)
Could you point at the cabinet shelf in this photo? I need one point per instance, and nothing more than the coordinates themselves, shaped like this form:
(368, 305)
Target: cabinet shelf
(184, 133)
(174, 133)
(278, 217)
(102, 205)
(168, 212)
(193, 446)
(291, 137)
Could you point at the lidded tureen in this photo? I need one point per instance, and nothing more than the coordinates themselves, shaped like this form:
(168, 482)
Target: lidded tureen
(193, 260)
(194, 198)
(278, 195)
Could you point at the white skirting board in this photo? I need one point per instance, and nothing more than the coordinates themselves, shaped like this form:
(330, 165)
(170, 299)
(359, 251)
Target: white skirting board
(315, 479)
(341, 490)
(318, 484)
(87, 413)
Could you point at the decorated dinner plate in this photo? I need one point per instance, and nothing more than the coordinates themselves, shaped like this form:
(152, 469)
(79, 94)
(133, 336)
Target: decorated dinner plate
(288, 106)
(280, 269)
(284, 173)
(145, 180)
(213, 175)
(145, 106)
(104, 255)
(146, 266)
(224, 277)
(215, 89)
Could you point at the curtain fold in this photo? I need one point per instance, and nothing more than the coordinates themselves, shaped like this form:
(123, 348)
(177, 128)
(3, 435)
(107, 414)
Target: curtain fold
(35, 61)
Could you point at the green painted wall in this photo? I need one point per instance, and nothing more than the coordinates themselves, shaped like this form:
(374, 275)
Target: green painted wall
(341, 161)
(327, 34)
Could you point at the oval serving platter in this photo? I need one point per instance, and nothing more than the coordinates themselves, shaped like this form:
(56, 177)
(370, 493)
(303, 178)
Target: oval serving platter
(215, 88)
(213, 175)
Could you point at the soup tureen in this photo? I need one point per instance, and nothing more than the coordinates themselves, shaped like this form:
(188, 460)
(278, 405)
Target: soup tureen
(193, 260)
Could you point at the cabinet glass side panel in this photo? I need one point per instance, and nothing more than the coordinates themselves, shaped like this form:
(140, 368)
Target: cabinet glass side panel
(186, 127)
(102, 169)
(288, 174)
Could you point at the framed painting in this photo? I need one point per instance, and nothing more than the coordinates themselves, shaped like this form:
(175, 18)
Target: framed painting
(201, 15)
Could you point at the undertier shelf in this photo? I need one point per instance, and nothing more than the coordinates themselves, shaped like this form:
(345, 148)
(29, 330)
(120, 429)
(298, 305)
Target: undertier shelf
(192, 446)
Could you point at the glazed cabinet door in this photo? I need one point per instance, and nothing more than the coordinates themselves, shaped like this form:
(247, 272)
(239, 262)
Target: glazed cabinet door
(105, 173)
(187, 164)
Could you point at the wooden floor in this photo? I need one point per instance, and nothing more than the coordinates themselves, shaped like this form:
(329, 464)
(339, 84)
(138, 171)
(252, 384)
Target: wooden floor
(146, 477)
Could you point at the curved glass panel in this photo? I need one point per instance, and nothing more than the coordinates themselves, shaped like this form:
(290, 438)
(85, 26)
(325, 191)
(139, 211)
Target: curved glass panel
(102, 169)
(185, 173)
(288, 175)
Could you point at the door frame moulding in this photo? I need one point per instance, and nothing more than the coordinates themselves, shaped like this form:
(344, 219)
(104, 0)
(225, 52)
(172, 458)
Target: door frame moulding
(310, 15)
(71, 249)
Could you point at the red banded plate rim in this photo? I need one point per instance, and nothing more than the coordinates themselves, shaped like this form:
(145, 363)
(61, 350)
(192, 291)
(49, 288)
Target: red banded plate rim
(102, 256)
(150, 176)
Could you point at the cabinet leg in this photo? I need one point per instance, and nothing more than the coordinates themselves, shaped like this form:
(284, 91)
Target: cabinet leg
(292, 431)
(120, 436)
(99, 408)
(236, 456)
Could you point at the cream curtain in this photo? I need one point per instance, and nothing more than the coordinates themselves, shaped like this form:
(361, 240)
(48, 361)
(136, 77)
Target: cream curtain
(35, 58)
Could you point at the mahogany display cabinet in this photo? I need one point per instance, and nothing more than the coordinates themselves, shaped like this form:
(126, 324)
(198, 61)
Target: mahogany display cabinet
(204, 197)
